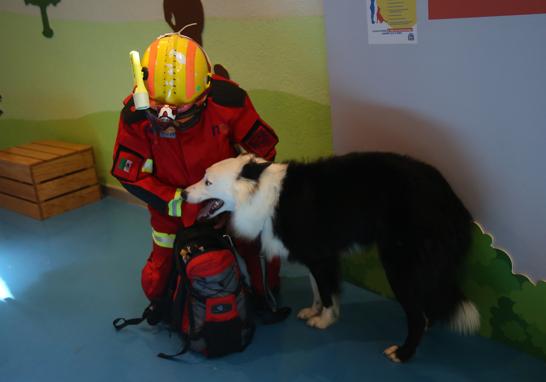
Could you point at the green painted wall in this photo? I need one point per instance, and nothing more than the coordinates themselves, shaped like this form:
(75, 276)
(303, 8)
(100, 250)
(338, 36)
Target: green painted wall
(85, 67)
(71, 86)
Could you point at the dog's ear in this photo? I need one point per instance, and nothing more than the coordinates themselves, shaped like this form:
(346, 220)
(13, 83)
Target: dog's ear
(252, 170)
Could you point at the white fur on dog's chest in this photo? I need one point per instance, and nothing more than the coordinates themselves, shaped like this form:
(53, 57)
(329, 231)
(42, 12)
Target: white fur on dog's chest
(255, 209)
(271, 245)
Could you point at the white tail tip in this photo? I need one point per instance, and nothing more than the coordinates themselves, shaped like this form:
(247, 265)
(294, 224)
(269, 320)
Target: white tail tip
(466, 319)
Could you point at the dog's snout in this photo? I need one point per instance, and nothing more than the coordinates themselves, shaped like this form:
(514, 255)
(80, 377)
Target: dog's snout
(184, 195)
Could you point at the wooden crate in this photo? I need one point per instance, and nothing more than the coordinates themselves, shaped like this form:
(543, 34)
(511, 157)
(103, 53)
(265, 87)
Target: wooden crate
(46, 178)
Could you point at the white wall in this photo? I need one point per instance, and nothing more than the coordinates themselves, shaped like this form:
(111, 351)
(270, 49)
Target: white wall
(469, 97)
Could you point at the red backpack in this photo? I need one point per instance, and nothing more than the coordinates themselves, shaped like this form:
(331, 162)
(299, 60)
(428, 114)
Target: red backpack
(206, 301)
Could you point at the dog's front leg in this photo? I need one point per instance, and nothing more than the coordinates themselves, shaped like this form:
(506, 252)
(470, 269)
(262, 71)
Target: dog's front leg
(325, 281)
(327, 316)
(316, 306)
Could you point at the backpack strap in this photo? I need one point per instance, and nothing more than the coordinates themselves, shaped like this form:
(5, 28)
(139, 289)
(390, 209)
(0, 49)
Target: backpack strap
(274, 313)
(148, 314)
(182, 351)
(240, 262)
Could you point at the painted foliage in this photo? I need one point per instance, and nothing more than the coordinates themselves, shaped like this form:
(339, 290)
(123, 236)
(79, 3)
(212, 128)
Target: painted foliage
(512, 308)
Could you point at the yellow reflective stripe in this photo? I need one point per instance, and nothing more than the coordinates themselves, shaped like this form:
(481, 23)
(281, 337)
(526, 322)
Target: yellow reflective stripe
(165, 240)
(148, 166)
(175, 205)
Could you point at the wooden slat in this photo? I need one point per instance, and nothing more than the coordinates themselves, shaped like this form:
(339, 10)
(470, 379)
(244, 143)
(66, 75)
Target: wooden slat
(18, 189)
(66, 145)
(16, 167)
(59, 186)
(70, 201)
(65, 165)
(19, 205)
(47, 149)
(17, 159)
(30, 153)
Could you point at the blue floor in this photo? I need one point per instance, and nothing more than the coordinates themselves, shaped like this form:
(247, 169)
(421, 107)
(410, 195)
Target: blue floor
(72, 274)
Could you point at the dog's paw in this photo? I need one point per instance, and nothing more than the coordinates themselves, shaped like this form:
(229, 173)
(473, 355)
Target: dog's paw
(323, 320)
(307, 313)
(398, 354)
(390, 352)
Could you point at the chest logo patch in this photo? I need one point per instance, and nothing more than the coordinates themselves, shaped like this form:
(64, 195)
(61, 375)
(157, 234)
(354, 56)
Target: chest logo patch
(169, 132)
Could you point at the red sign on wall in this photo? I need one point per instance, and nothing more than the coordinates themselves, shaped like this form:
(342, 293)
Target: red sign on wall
(454, 9)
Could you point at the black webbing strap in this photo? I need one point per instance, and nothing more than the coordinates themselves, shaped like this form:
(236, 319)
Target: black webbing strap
(182, 351)
(120, 323)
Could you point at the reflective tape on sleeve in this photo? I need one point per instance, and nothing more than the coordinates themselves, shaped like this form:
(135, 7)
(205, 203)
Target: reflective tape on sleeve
(148, 166)
(165, 240)
(175, 205)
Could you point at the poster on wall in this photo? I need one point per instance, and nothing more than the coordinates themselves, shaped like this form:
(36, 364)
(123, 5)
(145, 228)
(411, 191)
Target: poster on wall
(392, 21)
(455, 9)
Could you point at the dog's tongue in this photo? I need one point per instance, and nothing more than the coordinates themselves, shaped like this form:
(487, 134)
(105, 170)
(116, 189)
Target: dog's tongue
(209, 207)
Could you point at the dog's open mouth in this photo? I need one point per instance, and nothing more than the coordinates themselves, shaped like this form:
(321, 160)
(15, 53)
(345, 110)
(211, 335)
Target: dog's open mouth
(209, 208)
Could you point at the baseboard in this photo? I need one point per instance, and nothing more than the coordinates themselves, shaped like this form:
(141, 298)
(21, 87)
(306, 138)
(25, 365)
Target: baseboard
(121, 194)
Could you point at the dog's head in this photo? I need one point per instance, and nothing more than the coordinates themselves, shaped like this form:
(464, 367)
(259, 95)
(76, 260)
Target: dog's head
(226, 185)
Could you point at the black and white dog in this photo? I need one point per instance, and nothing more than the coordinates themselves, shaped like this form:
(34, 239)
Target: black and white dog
(312, 212)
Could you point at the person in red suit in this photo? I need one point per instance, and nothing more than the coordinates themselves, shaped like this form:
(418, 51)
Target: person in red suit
(194, 119)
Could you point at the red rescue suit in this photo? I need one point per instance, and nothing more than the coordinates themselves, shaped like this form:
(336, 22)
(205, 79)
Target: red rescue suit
(156, 166)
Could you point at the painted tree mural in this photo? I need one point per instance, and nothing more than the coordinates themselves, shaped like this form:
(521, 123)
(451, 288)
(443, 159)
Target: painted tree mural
(43, 4)
(179, 14)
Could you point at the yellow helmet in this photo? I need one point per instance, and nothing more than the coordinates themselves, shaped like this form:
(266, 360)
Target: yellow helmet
(178, 69)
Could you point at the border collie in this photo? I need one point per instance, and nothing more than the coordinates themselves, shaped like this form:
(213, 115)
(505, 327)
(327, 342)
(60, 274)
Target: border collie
(312, 212)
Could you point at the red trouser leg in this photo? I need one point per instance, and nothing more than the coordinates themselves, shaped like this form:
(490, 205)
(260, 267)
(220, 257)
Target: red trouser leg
(155, 273)
(157, 269)
(250, 251)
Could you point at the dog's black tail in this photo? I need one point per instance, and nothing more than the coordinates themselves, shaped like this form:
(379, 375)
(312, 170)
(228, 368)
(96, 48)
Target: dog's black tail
(446, 251)
(445, 302)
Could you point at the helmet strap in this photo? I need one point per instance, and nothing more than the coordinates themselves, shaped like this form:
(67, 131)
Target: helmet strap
(194, 113)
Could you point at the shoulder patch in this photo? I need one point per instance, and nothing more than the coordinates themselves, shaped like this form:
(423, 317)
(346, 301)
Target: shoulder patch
(226, 93)
(260, 140)
(127, 164)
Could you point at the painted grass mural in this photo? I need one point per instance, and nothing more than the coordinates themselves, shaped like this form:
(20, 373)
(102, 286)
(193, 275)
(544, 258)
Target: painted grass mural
(512, 309)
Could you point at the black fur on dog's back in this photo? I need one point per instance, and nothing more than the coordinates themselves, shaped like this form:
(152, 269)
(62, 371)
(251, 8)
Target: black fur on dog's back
(406, 207)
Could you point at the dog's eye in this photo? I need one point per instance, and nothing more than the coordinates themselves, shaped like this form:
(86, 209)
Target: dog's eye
(207, 182)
